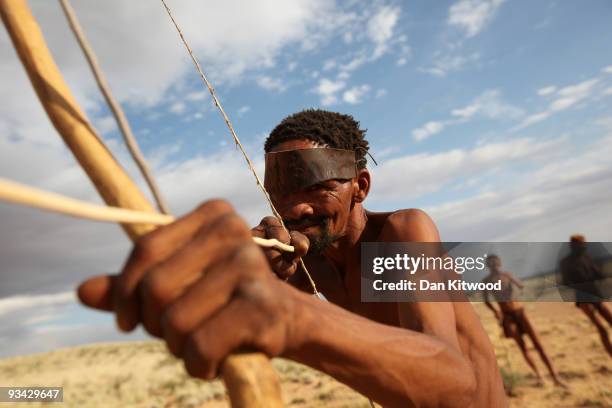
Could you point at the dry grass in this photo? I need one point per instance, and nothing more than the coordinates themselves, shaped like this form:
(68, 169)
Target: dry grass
(143, 374)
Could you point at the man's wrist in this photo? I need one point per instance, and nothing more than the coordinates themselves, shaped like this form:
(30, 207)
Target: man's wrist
(304, 326)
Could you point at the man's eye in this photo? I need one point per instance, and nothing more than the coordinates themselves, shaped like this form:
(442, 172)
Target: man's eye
(315, 187)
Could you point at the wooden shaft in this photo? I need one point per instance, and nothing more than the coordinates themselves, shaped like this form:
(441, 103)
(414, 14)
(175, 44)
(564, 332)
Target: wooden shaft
(250, 378)
(20, 194)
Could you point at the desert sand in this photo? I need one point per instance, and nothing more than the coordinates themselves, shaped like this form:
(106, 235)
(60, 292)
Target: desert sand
(143, 374)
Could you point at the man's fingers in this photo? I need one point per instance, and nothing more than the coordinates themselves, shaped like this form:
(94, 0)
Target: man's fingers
(210, 343)
(96, 292)
(285, 263)
(217, 286)
(234, 328)
(274, 229)
(152, 249)
(300, 242)
(168, 279)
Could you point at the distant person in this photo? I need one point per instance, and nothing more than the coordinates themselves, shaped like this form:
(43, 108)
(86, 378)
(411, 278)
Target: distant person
(580, 273)
(511, 315)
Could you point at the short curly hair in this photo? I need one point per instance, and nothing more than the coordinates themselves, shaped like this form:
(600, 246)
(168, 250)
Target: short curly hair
(332, 129)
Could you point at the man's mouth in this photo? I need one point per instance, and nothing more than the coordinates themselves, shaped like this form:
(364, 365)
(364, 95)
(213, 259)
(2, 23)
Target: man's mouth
(308, 224)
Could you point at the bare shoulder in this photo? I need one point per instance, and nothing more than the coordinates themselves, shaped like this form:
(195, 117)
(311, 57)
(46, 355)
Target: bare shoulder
(410, 225)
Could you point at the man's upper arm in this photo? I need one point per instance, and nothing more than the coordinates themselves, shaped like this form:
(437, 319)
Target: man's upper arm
(411, 225)
(433, 318)
(515, 280)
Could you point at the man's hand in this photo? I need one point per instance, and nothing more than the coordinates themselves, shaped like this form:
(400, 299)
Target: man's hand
(203, 286)
(284, 264)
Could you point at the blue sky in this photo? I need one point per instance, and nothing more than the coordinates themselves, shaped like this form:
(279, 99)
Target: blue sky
(494, 116)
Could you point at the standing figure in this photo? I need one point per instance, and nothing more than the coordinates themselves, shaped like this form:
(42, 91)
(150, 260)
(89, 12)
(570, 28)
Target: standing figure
(579, 272)
(511, 315)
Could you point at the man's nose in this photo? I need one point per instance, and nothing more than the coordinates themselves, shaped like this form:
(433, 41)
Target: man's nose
(296, 211)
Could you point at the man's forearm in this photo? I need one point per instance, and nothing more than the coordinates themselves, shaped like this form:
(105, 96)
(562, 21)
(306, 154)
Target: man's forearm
(394, 366)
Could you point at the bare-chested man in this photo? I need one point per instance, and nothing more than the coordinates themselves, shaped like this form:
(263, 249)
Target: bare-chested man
(205, 288)
(579, 272)
(511, 315)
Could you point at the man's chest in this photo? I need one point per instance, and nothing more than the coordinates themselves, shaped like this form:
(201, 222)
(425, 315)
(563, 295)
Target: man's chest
(344, 290)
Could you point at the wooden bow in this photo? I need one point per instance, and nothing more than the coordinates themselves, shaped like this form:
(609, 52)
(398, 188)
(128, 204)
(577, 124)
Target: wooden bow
(250, 378)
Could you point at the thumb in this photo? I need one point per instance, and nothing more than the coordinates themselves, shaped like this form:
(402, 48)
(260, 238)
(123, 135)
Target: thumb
(97, 292)
(300, 242)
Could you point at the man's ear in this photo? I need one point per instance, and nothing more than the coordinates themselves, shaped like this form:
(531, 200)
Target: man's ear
(361, 185)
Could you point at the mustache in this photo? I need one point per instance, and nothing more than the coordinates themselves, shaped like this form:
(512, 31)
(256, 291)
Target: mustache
(307, 222)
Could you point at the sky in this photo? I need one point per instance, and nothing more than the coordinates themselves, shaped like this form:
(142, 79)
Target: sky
(494, 116)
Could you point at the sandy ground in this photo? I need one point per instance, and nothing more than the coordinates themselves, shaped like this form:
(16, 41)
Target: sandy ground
(575, 349)
(144, 375)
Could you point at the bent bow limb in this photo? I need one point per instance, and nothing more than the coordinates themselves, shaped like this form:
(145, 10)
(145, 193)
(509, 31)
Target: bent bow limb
(250, 378)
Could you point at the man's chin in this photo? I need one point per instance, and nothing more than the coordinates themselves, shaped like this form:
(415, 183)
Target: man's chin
(313, 236)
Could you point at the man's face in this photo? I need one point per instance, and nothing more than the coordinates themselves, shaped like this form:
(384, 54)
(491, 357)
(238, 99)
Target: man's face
(578, 247)
(493, 263)
(321, 211)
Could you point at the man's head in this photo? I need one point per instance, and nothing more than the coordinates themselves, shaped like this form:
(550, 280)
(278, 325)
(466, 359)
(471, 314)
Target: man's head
(493, 263)
(578, 244)
(321, 210)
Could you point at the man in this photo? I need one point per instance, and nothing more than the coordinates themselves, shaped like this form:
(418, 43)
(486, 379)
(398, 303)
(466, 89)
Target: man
(203, 286)
(512, 317)
(579, 272)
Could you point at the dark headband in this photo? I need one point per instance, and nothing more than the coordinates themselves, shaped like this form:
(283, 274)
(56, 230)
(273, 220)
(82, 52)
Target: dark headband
(288, 171)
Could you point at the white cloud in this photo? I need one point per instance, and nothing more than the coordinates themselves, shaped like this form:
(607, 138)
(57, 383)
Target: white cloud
(531, 119)
(355, 94)
(329, 64)
(380, 28)
(143, 58)
(608, 91)
(426, 173)
(196, 96)
(381, 92)
(472, 16)
(13, 304)
(427, 130)
(607, 70)
(343, 76)
(387, 151)
(328, 89)
(401, 61)
(357, 61)
(547, 90)
(489, 104)
(178, 107)
(579, 90)
(566, 97)
(105, 124)
(562, 197)
(466, 112)
(447, 63)
(271, 84)
(243, 109)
